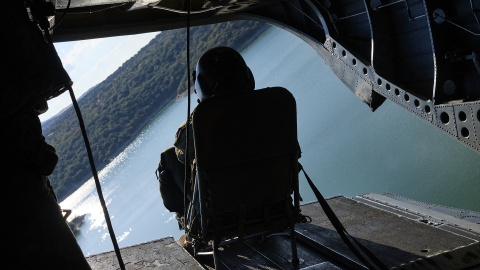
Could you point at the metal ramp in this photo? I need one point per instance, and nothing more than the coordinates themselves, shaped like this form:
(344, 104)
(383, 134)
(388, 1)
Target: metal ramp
(163, 253)
(460, 221)
(403, 233)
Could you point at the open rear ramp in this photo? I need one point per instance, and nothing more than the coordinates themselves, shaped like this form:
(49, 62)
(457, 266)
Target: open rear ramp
(164, 253)
(403, 233)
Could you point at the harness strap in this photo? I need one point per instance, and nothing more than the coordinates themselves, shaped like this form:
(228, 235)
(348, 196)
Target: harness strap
(241, 221)
(351, 242)
(267, 216)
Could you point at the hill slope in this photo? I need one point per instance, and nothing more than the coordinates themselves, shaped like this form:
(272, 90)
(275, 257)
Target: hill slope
(118, 108)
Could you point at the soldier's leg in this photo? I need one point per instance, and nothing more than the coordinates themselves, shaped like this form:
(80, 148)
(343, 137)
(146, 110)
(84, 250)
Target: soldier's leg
(170, 173)
(35, 234)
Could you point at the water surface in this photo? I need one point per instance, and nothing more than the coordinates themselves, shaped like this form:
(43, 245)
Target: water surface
(346, 148)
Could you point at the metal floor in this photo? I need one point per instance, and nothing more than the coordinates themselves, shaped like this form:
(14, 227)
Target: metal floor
(403, 233)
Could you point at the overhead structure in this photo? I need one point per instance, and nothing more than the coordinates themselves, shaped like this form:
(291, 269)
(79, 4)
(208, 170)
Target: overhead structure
(421, 54)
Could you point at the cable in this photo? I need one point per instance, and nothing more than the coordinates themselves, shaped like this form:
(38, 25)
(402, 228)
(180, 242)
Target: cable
(100, 8)
(187, 139)
(436, 14)
(306, 15)
(95, 176)
(183, 12)
(474, 13)
(61, 18)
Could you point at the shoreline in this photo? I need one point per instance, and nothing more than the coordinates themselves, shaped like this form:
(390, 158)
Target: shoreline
(100, 166)
(149, 118)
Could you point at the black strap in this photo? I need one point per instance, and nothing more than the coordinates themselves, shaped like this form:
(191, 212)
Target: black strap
(97, 181)
(351, 242)
(242, 214)
(187, 178)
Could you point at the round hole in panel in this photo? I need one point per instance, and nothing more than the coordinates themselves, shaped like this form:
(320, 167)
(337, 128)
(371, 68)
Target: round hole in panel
(365, 71)
(427, 109)
(444, 118)
(354, 61)
(344, 53)
(406, 97)
(417, 103)
(462, 116)
(397, 92)
(379, 81)
(465, 133)
(388, 86)
(334, 45)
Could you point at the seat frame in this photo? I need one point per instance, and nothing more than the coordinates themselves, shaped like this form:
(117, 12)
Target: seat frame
(216, 157)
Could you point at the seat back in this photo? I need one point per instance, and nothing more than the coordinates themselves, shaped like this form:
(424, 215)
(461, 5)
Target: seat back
(246, 153)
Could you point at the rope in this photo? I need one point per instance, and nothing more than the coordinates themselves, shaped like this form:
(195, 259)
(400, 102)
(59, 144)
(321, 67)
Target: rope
(95, 176)
(61, 18)
(187, 137)
(435, 15)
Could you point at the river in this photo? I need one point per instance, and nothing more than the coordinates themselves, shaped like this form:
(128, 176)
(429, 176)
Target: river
(346, 149)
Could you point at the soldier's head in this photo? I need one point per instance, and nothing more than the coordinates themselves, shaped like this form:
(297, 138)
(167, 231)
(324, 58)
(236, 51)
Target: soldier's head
(221, 71)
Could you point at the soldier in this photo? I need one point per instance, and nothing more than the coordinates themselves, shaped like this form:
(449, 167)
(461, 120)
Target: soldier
(220, 71)
(35, 233)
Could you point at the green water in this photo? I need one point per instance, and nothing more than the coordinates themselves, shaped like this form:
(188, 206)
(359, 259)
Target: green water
(351, 151)
(347, 150)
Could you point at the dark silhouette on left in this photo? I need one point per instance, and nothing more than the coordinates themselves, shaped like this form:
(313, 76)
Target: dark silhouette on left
(35, 232)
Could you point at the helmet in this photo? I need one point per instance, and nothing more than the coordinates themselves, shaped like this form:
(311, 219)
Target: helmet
(222, 70)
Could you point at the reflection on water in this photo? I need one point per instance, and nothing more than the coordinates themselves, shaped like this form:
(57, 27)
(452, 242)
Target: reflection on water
(130, 190)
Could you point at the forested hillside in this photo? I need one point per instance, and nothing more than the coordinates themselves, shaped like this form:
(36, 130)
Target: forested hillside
(119, 107)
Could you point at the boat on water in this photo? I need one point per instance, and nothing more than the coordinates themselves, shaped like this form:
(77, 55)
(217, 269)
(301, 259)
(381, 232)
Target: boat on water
(422, 55)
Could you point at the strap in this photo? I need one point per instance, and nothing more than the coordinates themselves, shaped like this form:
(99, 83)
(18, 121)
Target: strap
(95, 177)
(241, 221)
(354, 245)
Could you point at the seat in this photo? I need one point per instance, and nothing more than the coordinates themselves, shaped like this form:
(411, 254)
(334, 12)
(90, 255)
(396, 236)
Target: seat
(246, 158)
